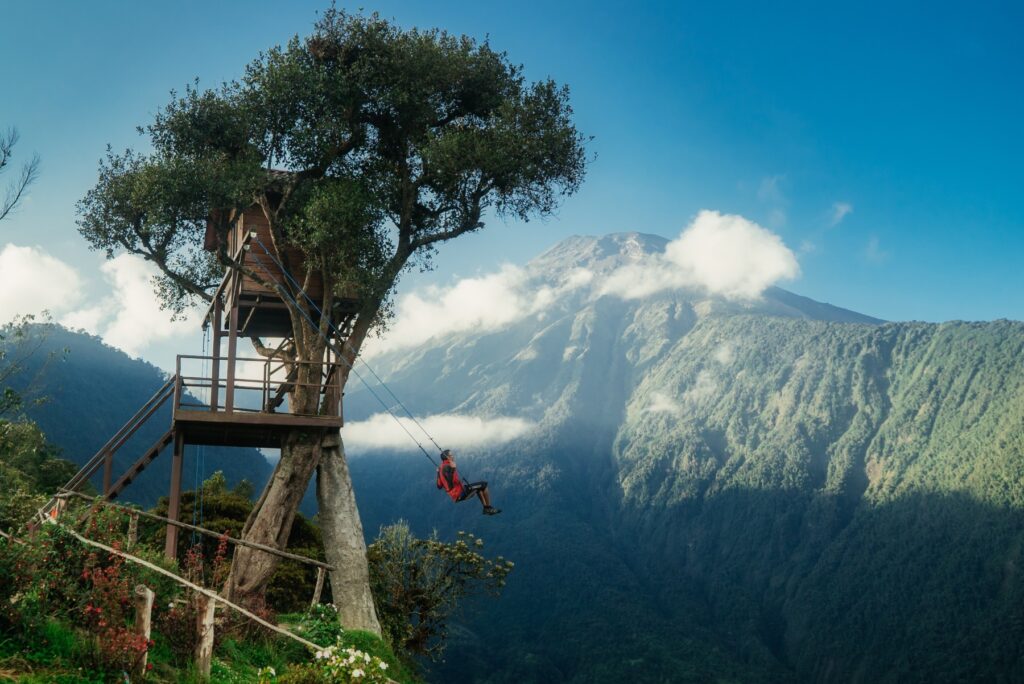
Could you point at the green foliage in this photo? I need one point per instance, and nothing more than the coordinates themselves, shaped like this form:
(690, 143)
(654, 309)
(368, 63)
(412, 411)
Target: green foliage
(30, 472)
(320, 624)
(419, 583)
(21, 343)
(369, 128)
(216, 507)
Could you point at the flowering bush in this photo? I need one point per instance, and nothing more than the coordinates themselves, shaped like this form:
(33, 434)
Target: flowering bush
(108, 612)
(352, 665)
(338, 664)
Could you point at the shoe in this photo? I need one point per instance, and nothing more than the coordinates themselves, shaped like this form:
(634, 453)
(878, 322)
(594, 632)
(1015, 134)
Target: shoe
(491, 510)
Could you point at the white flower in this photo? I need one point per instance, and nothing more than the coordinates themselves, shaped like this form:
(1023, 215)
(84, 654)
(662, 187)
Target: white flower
(271, 671)
(320, 655)
(383, 665)
(366, 657)
(357, 673)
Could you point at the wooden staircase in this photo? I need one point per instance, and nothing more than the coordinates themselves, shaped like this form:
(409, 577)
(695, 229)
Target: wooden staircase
(105, 456)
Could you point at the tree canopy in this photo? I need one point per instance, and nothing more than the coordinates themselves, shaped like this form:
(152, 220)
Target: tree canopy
(365, 144)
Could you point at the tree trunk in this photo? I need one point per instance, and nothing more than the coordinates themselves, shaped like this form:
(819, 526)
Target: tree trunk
(343, 539)
(271, 520)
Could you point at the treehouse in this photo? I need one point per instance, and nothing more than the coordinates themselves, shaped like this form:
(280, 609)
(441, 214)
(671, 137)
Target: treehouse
(261, 311)
(222, 398)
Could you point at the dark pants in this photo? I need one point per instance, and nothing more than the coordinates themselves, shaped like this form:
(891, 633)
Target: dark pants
(471, 488)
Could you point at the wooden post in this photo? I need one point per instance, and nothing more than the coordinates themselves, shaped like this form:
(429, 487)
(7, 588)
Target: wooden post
(320, 573)
(215, 374)
(174, 502)
(205, 607)
(133, 533)
(143, 619)
(229, 390)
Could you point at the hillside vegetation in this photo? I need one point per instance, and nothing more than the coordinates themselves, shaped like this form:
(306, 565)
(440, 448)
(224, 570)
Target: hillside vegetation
(714, 492)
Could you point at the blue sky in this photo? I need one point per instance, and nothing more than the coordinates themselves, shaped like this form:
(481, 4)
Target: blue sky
(907, 114)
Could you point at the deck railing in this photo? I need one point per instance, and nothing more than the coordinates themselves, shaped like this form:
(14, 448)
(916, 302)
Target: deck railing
(257, 385)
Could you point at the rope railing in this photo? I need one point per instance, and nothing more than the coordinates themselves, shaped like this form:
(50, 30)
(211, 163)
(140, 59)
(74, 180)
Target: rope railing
(194, 587)
(200, 530)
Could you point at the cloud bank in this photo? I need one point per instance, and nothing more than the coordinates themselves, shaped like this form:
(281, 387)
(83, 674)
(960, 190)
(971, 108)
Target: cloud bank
(128, 316)
(381, 431)
(488, 302)
(32, 281)
(723, 254)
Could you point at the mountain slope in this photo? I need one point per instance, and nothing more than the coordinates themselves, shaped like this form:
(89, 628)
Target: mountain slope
(769, 490)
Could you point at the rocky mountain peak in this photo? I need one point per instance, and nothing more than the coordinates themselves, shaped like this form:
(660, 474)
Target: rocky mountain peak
(598, 253)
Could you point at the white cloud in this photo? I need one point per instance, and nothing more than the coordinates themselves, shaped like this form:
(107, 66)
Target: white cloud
(661, 403)
(128, 316)
(725, 354)
(32, 281)
(723, 254)
(131, 318)
(459, 432)
(488, 302)
(839, 212)
(703, 388)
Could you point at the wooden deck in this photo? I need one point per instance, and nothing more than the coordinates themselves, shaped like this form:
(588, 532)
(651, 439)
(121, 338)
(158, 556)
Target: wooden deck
(244, 428)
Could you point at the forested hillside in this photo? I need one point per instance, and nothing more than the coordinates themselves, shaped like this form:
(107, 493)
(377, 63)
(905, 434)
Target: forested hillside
(89, 389)
(734, 493)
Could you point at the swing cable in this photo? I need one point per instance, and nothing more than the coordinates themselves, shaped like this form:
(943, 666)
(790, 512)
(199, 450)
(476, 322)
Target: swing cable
(341, 356)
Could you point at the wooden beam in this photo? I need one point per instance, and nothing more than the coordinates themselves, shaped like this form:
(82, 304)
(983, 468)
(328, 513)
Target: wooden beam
(174, 501)
(215, 371)
(229, 391)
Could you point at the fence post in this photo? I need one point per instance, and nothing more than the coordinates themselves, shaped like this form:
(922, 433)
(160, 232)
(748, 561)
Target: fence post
(205, 607)
(133, 531)
(320, 572)
(143, 619)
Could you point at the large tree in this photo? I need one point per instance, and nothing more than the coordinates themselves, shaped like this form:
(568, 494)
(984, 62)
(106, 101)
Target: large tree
(366, 146)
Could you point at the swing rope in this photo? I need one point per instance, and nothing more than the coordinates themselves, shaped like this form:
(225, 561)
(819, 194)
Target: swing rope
(339, 353)
(320, 313)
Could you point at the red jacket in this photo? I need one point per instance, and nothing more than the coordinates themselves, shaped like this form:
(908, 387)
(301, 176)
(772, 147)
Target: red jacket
(448, 480)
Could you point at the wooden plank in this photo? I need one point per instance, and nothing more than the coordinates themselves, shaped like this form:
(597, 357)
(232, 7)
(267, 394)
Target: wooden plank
(174, 502)
(215, 361)
(184, 415)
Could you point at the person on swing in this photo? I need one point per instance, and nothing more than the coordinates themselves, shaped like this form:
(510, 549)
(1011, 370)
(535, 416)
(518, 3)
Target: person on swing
(448, 480)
